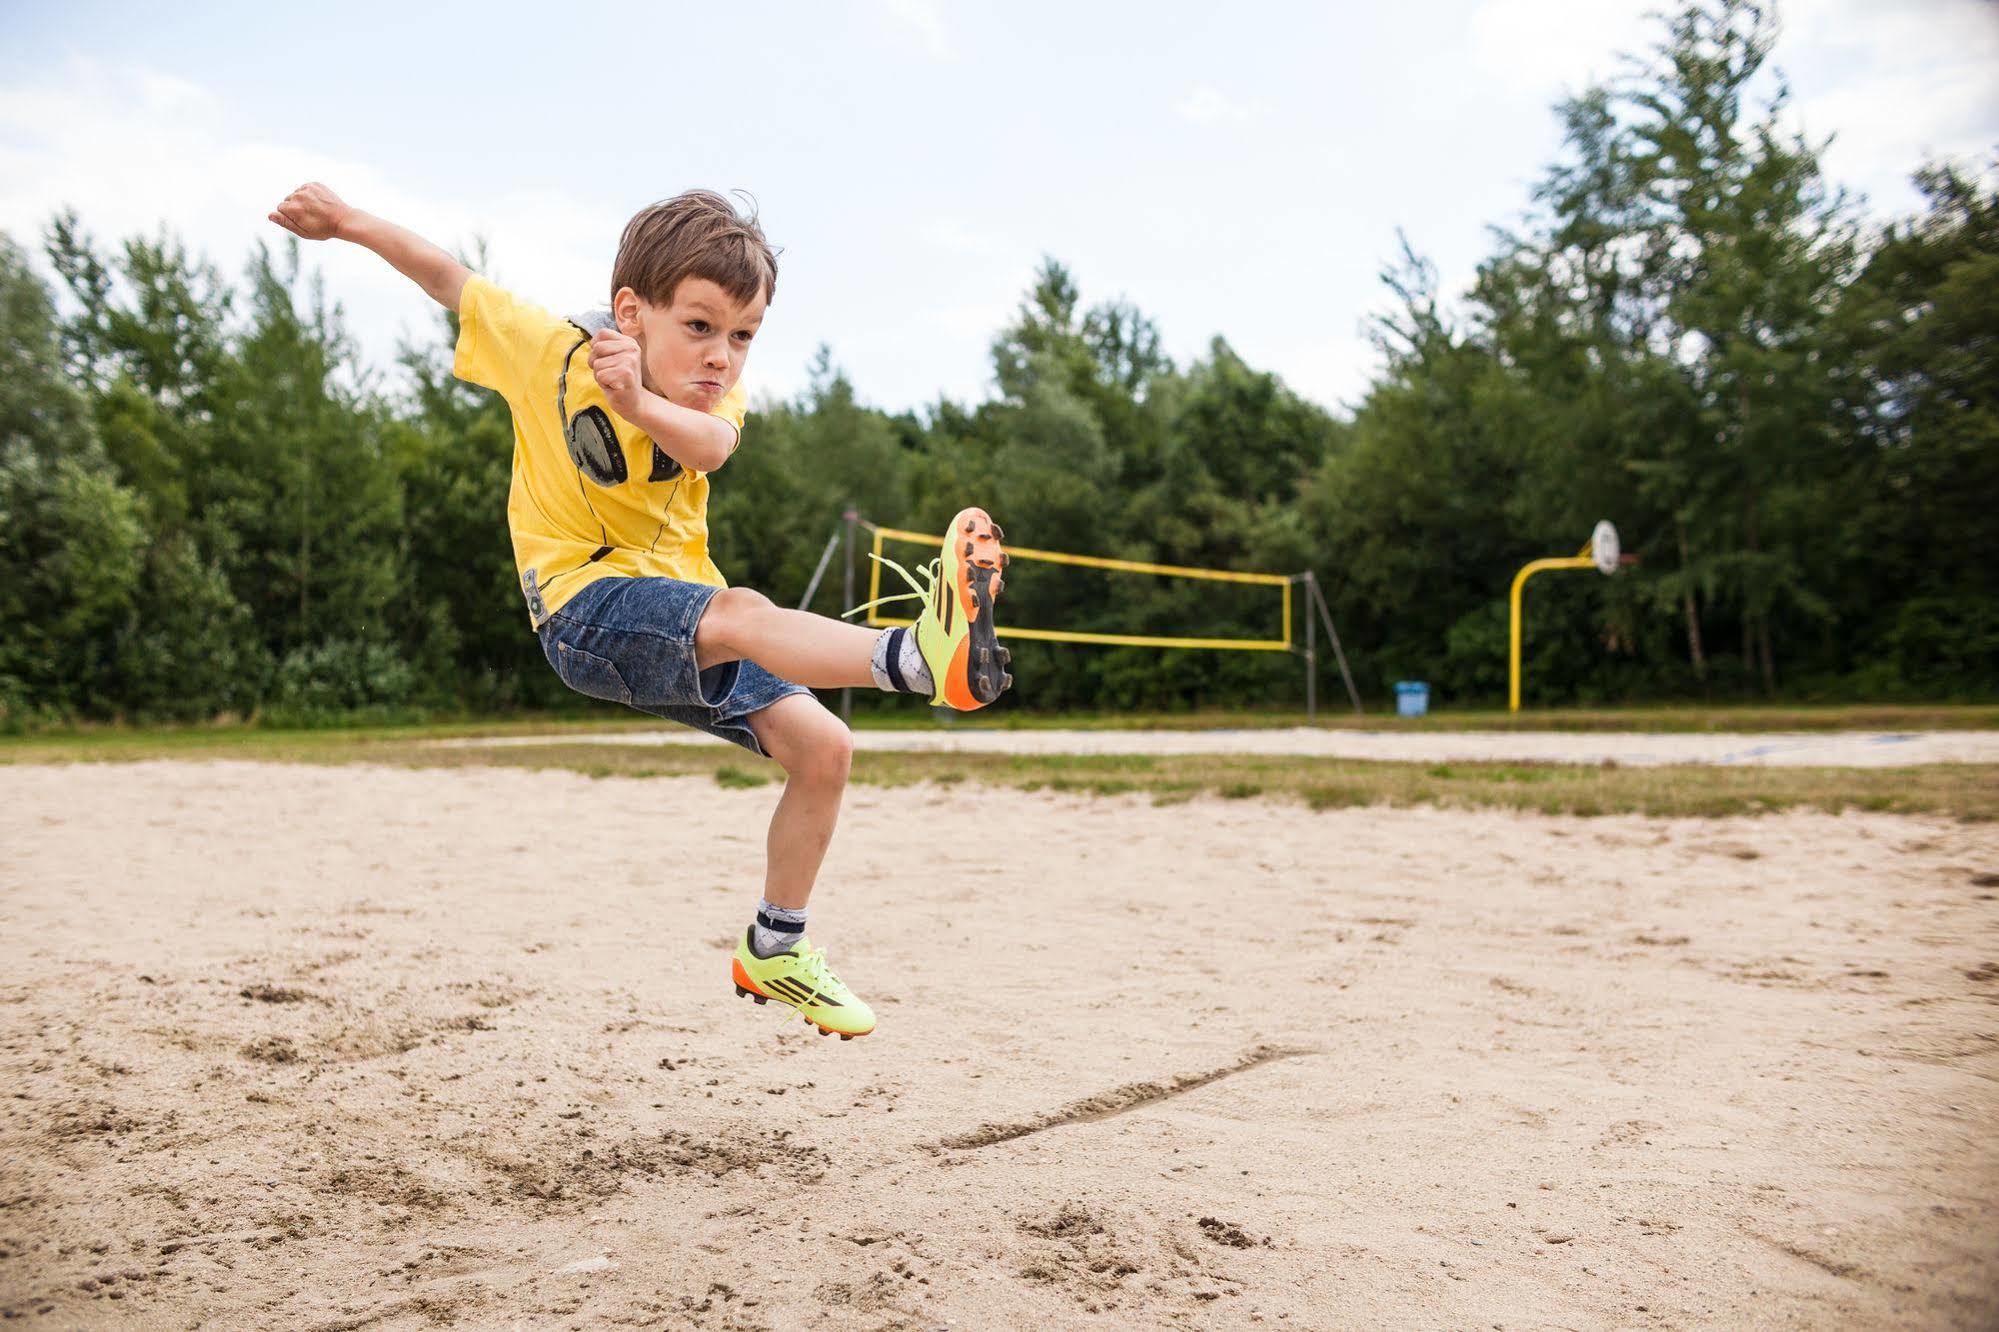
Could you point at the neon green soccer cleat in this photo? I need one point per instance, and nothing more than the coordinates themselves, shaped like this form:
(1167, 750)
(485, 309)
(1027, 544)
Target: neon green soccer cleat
(955, 632)
(802, 979)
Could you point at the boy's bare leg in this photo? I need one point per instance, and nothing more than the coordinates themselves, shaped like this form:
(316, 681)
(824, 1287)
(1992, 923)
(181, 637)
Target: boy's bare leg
(772, 959)
(815, 749)
(812, 650)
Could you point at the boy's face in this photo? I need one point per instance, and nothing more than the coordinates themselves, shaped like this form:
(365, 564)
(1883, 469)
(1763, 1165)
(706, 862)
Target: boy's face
(693, 348)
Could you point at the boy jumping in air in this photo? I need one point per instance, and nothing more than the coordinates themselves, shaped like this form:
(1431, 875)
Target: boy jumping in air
(618, 421)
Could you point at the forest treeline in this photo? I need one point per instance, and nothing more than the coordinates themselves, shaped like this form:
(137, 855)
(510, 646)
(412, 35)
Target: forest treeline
(209, 507)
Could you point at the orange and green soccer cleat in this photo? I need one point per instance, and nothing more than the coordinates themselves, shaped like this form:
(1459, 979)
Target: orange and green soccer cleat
(955, 633)
(801, 978)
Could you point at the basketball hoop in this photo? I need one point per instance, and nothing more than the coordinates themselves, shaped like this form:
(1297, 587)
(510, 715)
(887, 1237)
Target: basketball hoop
(1603, 553)
(1603, 548)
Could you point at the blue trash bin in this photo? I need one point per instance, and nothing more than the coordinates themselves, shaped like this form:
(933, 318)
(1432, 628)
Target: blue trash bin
(1412, 698)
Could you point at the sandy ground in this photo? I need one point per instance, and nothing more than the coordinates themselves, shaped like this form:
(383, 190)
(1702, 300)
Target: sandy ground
(340, 1048)
(1846, 749)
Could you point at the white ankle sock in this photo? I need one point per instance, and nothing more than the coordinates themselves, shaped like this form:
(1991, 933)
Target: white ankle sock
(776, 928)
(909, 664)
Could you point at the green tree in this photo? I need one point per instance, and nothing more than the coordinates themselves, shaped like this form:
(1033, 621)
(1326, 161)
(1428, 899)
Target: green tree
(71, 536)
(1652, 344)
(460, 618)
(319, 504)
(1922, 406)
(1753, 249)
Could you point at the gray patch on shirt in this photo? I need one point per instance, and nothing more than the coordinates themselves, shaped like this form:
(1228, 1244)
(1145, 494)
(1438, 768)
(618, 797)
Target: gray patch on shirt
(531, 589)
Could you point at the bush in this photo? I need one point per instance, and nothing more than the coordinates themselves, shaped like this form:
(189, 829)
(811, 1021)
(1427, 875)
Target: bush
(342, 680)
(1952, 643)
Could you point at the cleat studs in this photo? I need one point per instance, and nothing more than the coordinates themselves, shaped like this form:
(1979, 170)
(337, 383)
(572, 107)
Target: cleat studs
(968, 548)
(970, 526)
(845, 1037)
(760, 999)
(741, 993)
(1006, 683)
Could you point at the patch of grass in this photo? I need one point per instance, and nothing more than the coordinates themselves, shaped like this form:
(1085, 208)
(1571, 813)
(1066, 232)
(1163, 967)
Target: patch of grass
(1964, 791)
(1094, 762)
(1495, 772)
(1344, 796)
(219, 739)
(1090, 786)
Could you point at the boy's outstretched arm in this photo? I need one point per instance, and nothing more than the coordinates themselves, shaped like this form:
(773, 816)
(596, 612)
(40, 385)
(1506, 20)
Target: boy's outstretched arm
(317, 213)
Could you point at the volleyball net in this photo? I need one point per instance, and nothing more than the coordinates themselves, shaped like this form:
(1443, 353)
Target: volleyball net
(1284, 582)
(1286, 614)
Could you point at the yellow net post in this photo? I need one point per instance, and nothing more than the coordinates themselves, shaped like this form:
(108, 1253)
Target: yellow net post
(848, 520)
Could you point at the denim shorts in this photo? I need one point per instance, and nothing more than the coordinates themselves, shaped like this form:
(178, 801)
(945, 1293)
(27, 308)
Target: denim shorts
(631, 641)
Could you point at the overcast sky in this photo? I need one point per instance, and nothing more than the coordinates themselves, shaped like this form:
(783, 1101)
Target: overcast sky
(1236, 170)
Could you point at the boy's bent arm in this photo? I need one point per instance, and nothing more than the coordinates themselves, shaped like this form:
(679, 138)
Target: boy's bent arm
(316, 213)
(698, 441)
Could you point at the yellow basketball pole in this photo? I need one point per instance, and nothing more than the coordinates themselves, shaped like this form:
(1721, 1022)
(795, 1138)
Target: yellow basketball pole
(1578, 561)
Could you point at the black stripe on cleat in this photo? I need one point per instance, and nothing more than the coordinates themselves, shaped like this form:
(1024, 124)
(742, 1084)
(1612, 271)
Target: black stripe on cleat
(984, 676)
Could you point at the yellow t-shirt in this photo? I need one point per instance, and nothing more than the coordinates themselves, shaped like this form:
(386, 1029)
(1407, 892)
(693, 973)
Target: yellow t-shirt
(628, 513)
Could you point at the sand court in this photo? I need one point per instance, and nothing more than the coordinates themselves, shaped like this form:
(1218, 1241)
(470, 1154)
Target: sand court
(351, 1047)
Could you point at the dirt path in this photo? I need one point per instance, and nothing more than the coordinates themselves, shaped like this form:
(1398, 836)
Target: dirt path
(1833, 749)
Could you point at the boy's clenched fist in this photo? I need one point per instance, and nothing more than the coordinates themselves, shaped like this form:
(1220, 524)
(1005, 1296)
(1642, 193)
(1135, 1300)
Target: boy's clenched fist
(614, 360)
(312, 211)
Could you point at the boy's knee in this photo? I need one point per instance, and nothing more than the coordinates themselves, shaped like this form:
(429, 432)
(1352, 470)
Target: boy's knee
(728, 609)
(821, 754)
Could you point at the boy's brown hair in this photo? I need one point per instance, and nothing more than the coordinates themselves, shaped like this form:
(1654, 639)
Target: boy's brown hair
(696, 234)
